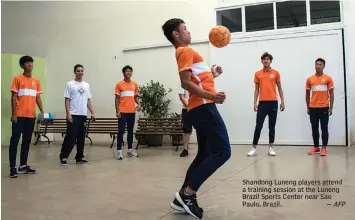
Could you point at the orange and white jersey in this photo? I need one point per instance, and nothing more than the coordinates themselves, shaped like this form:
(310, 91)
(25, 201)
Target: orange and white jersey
(27, 89)
(267, 81)
(319, 86)
(127, 92)
(188, 59)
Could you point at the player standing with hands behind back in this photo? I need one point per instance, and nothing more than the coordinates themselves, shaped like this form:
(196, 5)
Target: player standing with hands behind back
(320, 106)
(212, 136)
(266, 81)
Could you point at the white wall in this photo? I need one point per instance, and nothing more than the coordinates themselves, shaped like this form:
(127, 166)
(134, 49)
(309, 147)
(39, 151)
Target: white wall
(349, 18)
(94, 33)
(349, 32)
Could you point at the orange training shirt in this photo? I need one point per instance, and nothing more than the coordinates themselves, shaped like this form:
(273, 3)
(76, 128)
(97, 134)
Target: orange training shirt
(267, 81)
(319, 86)
(127, 92)
(188, 59)
(27, 89)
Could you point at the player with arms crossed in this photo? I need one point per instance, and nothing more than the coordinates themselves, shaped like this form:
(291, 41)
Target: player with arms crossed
(212, 136)
(320, 106)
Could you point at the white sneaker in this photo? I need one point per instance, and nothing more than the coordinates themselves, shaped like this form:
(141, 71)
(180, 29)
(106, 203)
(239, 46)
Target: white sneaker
(119, 155)
(271, 151)
(131, 153)
(252, 152)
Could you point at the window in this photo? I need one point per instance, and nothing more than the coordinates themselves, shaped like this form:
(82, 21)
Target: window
(259, 17)
(325, 12)
(288, 14)
(232, 19)
(291, 14)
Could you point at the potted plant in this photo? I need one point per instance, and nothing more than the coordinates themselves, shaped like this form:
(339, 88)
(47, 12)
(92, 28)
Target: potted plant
(152, 97)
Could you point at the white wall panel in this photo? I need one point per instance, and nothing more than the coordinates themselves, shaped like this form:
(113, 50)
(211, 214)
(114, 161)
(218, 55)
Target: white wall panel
(294, 57)
(95, 33)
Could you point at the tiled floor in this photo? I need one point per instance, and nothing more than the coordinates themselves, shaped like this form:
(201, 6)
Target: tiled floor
(142, 188)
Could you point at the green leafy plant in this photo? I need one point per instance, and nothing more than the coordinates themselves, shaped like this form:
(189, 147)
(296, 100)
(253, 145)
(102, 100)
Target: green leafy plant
(152, 97)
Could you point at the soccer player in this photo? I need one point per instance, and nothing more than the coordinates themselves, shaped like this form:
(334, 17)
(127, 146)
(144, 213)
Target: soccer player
(26, 92)
(266, 81)
(126, 98)
(212, 136)
(186, 126)
(320, 106)
(77, 100)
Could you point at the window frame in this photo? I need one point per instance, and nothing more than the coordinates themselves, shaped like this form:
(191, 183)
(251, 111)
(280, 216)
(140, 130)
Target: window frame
(231, 8)
(309, 26)
(263, 3)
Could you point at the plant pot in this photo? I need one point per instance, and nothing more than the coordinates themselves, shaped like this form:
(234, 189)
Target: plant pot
(154, 140)
(141, 140)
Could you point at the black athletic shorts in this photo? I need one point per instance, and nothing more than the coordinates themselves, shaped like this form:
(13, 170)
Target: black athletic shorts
(186, 125)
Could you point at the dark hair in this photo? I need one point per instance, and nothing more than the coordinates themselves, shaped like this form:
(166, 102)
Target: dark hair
(77, 66)
(170, 26)
(266, 54)
(25, 59)
(127, 67)
(320, 60)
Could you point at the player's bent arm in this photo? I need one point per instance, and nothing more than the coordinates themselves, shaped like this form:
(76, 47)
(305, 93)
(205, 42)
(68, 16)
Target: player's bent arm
(13, 102)
(117, 103)
(39, 102)
(67, 106)
(183, 100)
(279, 87)
(256, 93)
(308, 94)
(331, 94)
(186, 83)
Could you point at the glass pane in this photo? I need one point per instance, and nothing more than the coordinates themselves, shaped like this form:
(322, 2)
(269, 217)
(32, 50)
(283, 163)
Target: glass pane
(325, 12)
(259, 17)
(232, 19)
(291, 14)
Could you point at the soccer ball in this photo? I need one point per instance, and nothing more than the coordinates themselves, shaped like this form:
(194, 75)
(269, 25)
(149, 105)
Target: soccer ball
(219, 36)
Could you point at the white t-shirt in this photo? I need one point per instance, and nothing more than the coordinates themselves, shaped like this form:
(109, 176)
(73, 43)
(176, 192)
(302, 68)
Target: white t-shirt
(186, 95)
(78, 93)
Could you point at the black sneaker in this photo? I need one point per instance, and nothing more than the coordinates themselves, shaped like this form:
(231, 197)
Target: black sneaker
(82, 160)
(184, 153)
(63, 162)
(189, 202)
(178, 207)
(13, 172)
(26, 170)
